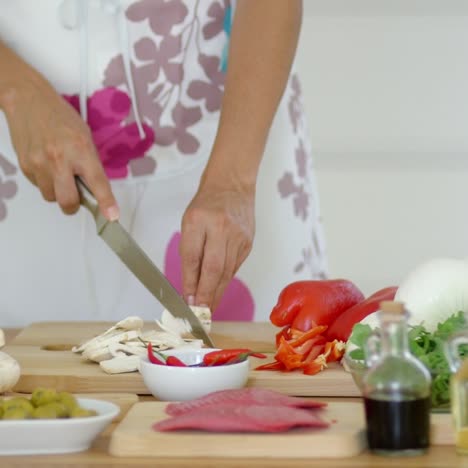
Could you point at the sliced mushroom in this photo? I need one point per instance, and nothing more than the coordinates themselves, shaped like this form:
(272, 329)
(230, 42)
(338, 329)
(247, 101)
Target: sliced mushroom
(118, 349)
(120, 364)
(101, 346)
(130, 323)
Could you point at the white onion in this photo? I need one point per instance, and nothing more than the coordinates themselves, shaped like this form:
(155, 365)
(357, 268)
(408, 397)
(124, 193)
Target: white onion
(434, 291)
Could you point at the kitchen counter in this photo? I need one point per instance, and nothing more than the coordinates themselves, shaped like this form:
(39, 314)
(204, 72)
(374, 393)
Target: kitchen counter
(97, 456)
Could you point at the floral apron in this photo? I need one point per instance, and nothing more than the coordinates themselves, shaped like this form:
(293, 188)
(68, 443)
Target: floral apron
(148, 78)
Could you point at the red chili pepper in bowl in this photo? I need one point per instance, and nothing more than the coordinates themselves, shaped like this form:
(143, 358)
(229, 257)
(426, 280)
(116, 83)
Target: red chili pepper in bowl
(175, 362)
(152, 358)
(224, 356)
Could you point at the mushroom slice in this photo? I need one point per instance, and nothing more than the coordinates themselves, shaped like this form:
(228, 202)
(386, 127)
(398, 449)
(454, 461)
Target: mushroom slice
(129, 323)
(97, 354)
(120, 364)
(118, 349)
(2, 338)
(105, 342)
(163, 339)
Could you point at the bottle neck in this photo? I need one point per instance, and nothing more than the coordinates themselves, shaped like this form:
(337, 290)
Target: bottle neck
(394, 338)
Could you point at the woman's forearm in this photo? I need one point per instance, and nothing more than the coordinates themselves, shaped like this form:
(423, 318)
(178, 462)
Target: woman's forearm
(14, 74)
(262, 48)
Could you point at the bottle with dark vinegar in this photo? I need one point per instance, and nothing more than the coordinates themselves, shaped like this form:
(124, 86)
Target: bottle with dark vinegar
(396, 389)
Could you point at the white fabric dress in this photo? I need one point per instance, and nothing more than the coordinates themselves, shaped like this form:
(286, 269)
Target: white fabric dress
(154, 148)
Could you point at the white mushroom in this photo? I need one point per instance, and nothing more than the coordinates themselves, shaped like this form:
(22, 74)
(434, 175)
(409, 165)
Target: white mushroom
(181, 327)
(120, 364)
(2, 338)
(10, 372)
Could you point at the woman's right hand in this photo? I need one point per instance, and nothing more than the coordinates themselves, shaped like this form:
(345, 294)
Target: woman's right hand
(51, 140)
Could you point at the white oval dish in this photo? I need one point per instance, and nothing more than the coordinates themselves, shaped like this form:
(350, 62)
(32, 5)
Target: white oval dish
(168, 383)
(48, 436)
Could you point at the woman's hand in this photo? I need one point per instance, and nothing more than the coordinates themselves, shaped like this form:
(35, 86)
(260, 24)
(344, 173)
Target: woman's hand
(218, 226)
(217, 234)
(51, 140)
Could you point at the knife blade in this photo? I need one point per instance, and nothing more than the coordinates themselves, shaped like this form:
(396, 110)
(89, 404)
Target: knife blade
(120, 241)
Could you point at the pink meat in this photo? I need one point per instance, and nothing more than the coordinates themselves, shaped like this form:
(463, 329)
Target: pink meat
(243, 396)
(242, 418)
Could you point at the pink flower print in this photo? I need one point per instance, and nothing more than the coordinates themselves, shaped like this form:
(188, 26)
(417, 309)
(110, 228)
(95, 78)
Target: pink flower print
(217, 13)
(237, 303)
(183, 118)
(288, 187)
(295, 104)
(8, 188)
(117, 142)
(142, 77)
(162, 15)
(211, 91)
(301, 160)
(147, 50)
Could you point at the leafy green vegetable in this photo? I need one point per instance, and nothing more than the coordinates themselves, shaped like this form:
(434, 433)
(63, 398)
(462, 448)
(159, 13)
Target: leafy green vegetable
(359, 338)
(427, 347)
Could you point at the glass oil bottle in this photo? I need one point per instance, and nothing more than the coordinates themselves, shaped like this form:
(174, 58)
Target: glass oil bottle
(396, 388)
(459, 389)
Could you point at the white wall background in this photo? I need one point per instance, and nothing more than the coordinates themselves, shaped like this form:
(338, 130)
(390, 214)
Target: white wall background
(386, 90)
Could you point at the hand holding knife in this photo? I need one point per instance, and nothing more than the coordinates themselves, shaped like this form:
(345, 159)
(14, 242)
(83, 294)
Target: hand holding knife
(120, 241)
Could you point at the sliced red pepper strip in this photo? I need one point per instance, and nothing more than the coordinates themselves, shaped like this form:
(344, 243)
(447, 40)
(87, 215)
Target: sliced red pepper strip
(313, 332)
(316, 366)
(175, 362)
(334, 350)
(275, 365)
(288, 356)
(314, 353)
(152, 358)
(285, 332)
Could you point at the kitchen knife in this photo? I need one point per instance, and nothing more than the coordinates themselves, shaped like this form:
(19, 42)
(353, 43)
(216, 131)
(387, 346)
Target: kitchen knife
(120, 241)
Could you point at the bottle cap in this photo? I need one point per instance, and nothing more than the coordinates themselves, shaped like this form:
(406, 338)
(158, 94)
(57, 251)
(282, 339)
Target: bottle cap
(392, 307)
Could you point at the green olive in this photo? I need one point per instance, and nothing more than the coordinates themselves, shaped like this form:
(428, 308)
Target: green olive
(45, 412)
(67, 399)
(43, 396)
(79, 412)
(17, 413)
(17, 402)
(60, 409)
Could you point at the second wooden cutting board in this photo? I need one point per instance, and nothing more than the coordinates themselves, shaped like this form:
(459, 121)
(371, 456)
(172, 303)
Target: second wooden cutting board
(344, 438)
(43, 351)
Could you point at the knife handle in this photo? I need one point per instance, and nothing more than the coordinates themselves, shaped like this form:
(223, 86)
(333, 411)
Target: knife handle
(86, 197)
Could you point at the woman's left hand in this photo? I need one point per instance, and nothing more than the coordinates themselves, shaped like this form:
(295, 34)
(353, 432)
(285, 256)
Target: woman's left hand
(217, 235)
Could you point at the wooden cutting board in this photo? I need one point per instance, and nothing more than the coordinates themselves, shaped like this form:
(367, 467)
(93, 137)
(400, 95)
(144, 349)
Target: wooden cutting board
(43, 351)
(134, 437)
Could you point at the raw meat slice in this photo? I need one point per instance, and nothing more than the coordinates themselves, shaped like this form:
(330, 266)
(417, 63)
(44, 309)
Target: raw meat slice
(242, 418)
(243, 396)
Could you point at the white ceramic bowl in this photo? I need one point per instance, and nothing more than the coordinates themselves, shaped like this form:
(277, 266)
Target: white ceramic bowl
(43, 436)
(170, 383)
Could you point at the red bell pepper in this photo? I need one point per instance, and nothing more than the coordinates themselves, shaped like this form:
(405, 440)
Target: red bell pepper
(342, 327)
(305, 304)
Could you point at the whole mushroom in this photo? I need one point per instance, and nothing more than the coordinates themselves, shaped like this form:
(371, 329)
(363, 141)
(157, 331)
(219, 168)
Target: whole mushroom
(10, 370)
